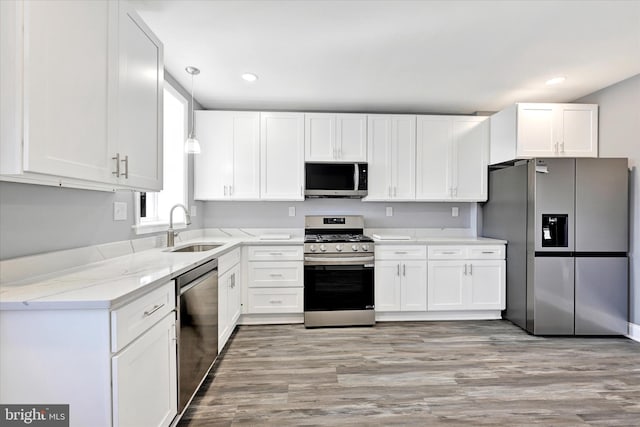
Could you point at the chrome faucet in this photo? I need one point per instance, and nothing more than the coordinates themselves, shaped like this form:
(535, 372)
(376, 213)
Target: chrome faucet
(171, 233)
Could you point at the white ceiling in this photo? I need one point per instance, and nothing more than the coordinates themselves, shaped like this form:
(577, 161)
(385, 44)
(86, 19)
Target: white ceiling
(395, 55)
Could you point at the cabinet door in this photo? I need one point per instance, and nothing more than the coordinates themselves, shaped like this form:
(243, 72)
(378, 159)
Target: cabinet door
(320, 137)
(145, 380)
(486, 285)
(403, 153)
(579, 130)
(434, 158)
(140, 105)
(536, 130)
(387, 286)
(67, 91)
(414, 286)
(282, 156)
(446, 285)
(351, 137)
(213, 167)
(245, 184)
(234, 298)
(223, 309)
(379, 157)
(471, 147)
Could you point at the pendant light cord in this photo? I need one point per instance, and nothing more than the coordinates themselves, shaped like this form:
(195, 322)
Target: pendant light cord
(193, 118)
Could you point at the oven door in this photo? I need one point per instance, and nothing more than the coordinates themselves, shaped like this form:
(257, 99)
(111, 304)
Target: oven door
(338, 284)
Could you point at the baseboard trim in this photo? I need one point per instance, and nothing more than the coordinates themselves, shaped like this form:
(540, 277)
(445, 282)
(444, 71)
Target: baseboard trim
(634, 332)
(438, 315)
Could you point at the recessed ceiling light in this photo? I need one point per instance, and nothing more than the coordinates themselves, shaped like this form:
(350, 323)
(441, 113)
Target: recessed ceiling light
(555, 80)
(250, 77)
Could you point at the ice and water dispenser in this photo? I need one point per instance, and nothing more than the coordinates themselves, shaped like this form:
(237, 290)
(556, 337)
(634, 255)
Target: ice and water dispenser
(555, 231)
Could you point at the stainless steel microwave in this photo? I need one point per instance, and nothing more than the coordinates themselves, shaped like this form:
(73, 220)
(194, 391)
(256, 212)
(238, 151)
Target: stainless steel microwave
(336, 180)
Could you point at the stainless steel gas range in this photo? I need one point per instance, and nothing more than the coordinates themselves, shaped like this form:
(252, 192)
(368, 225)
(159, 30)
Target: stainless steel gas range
(338, 272)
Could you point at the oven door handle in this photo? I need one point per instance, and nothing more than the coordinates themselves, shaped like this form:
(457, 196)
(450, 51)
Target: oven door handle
(338, 260)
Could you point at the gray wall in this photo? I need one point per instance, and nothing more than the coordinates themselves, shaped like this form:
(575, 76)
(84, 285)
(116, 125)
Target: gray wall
(36, 219)
(619, 136)
(275, 214)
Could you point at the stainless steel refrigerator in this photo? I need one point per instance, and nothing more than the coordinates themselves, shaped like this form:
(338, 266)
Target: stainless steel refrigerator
(566, 223)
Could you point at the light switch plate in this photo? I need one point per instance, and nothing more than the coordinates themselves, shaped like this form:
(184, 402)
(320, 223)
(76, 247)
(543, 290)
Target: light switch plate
(454, 211)
(193, 210)
(119, 211)
(292, 211)
(389, 211)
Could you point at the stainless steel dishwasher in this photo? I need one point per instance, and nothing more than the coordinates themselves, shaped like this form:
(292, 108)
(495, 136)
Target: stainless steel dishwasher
(197, 315)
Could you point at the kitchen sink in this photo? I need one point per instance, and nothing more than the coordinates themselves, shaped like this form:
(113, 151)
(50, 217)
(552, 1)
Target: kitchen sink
(198, 247)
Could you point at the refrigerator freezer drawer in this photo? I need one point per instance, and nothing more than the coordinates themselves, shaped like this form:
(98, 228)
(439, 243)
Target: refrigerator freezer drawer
(602, 285)
(552, 299)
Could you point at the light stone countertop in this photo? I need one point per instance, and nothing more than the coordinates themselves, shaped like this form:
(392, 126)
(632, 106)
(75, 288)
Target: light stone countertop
(114, 278)
(113, 282)
(441, 241)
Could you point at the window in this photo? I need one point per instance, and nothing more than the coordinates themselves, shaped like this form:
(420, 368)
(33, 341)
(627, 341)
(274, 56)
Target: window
(152, 209)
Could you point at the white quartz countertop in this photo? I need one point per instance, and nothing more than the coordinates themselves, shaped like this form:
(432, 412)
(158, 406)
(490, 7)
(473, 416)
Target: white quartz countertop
(401, 240)
(113, 282)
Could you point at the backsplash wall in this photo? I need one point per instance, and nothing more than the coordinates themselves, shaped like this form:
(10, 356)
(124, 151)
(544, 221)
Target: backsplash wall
(229, 214)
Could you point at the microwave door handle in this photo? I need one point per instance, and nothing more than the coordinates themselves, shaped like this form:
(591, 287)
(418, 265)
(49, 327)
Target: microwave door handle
(356, 177)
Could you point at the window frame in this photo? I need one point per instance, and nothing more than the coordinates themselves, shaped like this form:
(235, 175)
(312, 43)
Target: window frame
(153, 226)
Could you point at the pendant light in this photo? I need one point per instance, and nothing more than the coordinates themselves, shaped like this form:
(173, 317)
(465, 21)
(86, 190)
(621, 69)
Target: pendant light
(192, 145)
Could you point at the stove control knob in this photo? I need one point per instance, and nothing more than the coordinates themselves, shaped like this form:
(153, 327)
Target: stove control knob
(312, 248)
(365, 248)
(354, 247)
(323, 248)
(339, 248)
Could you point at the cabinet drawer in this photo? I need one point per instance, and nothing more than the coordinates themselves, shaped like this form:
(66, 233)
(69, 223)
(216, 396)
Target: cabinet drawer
(228, 260)
(275, 300)
(486, 252)
(275, 253)
(272, 274)
(404, 252)
(447, 252)
(133, 319)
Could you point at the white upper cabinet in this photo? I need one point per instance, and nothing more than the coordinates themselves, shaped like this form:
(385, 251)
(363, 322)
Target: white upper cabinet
(527, 130)
(228, 166)
(335, 137)
(471, 158)
(82, 95)
(452, 158)
(282, 156)
(140, 106)
(391, 157)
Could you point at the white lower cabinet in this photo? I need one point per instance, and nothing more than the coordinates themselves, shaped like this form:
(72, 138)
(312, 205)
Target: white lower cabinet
(229, 296)
(144, 378)
(401, 278)
(458, 280)
(275, 277)
(113, 367)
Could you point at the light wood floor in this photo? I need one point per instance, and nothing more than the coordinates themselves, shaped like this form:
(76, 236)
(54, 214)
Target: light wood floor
(422, 373)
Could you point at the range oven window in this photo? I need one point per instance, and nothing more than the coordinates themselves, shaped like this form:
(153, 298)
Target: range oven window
(338, 287)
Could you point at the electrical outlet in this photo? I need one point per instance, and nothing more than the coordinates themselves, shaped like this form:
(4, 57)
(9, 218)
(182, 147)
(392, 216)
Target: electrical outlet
(193, 210)
(389, 211)
(292, 211)
(454, 211)
(119, 211)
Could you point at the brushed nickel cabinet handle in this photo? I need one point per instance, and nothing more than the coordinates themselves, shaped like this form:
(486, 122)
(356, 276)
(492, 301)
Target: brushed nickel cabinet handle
(126, 167)
(117, 159)
(465, 269)
(153, 310)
